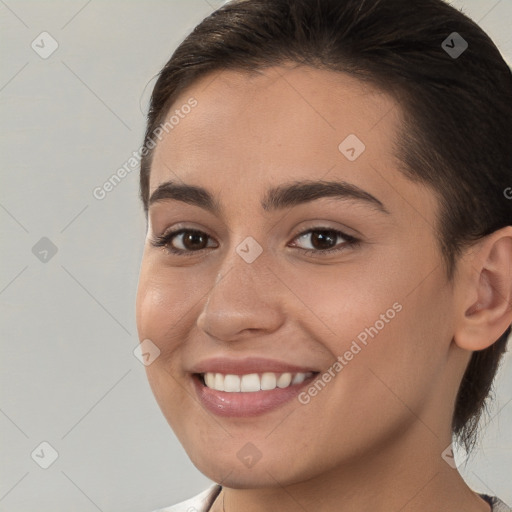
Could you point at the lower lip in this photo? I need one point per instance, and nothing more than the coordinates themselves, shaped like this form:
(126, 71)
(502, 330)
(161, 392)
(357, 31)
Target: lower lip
(246, 404)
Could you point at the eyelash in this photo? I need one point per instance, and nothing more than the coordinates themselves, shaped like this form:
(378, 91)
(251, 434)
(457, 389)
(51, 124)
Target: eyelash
(165, 240)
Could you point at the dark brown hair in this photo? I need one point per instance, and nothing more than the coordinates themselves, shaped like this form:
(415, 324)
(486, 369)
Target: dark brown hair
(457, 110)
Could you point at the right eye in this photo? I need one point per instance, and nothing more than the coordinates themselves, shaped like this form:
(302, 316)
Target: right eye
(188, 241)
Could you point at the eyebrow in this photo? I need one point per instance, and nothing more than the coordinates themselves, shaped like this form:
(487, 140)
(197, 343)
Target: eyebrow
(275, 198)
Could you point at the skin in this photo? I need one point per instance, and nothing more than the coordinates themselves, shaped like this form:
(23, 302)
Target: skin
(372, 439)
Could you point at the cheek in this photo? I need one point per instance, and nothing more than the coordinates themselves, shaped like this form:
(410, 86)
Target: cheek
(384, 318)
(406, 352)
(345, 301)
(158, 310)
(151, 306)
(164, 299)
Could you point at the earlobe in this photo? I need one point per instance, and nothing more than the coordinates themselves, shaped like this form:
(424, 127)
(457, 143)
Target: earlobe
(487, 311)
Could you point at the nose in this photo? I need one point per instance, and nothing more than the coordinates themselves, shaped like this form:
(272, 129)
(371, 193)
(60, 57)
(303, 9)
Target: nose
(245, 298)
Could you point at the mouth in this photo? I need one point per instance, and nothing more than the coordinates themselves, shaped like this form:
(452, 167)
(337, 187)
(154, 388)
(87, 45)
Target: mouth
(250, 394)
(252, 382)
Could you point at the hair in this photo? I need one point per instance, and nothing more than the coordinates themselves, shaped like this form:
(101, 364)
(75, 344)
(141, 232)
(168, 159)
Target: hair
(456, 133)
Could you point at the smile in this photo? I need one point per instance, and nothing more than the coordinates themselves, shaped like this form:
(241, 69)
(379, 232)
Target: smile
(253, 382)
(248, 395)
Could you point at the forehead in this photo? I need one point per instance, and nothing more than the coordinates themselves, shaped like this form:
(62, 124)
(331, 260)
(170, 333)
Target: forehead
(250, 131)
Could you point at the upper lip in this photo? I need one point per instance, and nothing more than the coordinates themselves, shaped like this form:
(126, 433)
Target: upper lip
(247, 365)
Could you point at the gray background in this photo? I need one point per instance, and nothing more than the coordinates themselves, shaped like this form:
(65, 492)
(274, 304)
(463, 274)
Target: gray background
(69, 374)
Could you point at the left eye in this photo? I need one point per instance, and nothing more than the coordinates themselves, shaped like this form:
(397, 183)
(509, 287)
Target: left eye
(324, 240)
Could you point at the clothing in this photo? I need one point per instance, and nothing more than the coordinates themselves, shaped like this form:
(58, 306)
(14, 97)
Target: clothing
(200, 503)
(203, 501)
(496, 504)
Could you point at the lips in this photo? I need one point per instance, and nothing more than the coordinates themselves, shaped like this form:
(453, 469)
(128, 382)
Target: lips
(248, 387)
(245, 366)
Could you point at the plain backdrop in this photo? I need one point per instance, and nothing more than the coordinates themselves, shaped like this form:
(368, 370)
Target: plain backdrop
(70, 262)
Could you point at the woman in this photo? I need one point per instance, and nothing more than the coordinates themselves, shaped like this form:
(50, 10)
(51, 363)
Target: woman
(326, 271)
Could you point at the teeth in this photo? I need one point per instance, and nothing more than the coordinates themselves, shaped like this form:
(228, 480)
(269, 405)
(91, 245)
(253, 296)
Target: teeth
(231, 383)
(209, 379)
(298, 378)
(253, 381)
(268, 381)
(218, 382)
(250, 383)
(284, 380)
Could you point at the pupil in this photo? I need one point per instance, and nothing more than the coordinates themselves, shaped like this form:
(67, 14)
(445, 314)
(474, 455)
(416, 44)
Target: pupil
(320, 238)
(192, 240)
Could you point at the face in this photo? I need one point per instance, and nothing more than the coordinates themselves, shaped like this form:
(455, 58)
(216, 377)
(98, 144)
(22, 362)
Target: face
(333, 290)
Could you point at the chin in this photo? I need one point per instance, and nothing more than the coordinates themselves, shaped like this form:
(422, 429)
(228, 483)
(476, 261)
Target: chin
(227, 470)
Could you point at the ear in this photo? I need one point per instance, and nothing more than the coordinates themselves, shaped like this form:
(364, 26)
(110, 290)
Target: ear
(486, 291)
